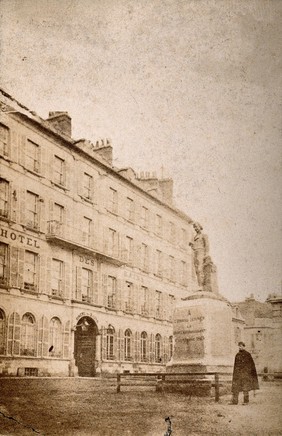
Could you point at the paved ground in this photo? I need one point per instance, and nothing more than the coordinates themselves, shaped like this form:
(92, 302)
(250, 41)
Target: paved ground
(92, 407)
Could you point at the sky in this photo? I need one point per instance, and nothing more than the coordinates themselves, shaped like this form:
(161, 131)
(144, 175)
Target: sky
(190, 89)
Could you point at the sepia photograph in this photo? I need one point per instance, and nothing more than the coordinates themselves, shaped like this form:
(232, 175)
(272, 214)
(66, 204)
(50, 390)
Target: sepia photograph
(140, 217)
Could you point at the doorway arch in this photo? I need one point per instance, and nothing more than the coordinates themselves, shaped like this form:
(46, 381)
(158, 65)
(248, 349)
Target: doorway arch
(85, 337)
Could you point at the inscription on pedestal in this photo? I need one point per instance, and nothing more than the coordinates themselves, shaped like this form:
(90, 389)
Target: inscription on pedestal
(189, 333)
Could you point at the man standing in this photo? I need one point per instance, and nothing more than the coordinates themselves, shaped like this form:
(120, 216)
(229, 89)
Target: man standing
(244, 375)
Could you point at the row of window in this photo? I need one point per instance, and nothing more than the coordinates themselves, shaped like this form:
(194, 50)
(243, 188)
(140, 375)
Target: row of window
(22, 269)
(137, 347)
(25, 337)
(128, 207)
(143, 216)
(110, 242)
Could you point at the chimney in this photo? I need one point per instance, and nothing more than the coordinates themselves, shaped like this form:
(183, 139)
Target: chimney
(61, 121)
(166, 188)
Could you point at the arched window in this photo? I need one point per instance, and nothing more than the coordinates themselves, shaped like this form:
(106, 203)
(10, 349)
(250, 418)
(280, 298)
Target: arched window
(144, 342)
(2, 331)
(170, 347)
(110, 343)
(28, 335)
(127, 344)
(158, 348)
(55, 338)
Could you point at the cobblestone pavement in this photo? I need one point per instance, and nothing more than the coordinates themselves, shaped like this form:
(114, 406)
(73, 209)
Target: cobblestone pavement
(30, 406)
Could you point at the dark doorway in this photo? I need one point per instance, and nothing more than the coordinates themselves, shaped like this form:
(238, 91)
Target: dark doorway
(85, 347)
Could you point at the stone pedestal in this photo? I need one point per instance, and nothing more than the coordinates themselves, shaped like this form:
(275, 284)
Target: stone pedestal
(203, 334)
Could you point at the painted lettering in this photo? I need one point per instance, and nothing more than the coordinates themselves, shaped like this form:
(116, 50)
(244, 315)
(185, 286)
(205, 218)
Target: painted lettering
(13, 236)
(4, 233)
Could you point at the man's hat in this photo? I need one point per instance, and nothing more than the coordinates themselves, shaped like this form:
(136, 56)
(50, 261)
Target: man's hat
(241, 343)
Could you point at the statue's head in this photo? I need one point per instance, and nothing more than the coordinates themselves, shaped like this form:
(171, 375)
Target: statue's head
(197, 227)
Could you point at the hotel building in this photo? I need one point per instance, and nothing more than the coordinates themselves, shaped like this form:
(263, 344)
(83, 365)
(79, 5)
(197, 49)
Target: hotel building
(92, 257)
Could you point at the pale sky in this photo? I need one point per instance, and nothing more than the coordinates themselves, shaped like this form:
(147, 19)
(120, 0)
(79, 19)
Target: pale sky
(191, 86)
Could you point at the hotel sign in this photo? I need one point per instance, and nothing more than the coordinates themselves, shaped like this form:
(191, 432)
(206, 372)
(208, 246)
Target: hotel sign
(12, 235)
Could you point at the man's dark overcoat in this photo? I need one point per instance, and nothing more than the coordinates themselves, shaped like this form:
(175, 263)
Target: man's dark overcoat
(244, 375)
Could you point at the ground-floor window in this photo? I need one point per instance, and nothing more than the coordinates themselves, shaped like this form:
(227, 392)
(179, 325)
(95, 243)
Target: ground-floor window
(127, 344)
(110, 343)
(158, 348)
(55, 337)
(28, 339)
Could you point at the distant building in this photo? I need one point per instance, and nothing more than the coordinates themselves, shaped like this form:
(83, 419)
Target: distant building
(263, 331)
(92, 257)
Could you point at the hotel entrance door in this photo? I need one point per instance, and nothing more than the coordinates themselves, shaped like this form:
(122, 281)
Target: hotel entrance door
(85, 347)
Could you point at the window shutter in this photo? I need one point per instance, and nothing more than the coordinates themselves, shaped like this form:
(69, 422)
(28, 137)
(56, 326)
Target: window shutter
(22, 203)
(137, 255)
(166, 307)
(105, 240)
(21, 252)
(119, 294)
(105, 289)
(42, 272)
(138, 346)
(66, 347)
(22, 145)
(165, 349)
(95, 287)
(45, 337)
(50, 166)
(66, 285)
(13, 202)
(137, 213)
(48, 276)
(14, 334)
(151, 302)
(104, 343)
(13, 146)
(14, 267)
(42, 215)
(43, 161)
(121, 336)
(152, 348)
(123, 251)
(78, 283)
(135, 297)
(115, 348)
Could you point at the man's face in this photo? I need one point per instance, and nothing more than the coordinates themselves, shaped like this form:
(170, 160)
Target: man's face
(197, 228)
(241, 347)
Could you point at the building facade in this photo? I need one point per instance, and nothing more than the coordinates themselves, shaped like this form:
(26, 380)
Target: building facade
(92, 257)
(263, 331)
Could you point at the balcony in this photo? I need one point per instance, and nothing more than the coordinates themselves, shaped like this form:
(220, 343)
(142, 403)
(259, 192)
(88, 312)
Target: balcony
(3, 279)
(128, 308)
(30, 287)
(86, 299)
(57, 293)
(74, 238)
(111, 302)
(4, 213)
(144, 310)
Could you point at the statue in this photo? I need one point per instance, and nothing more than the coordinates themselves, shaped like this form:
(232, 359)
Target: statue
(200, 247)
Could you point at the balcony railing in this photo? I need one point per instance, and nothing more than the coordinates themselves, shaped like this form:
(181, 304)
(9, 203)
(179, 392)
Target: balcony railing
(111, 302)
(65, 235)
